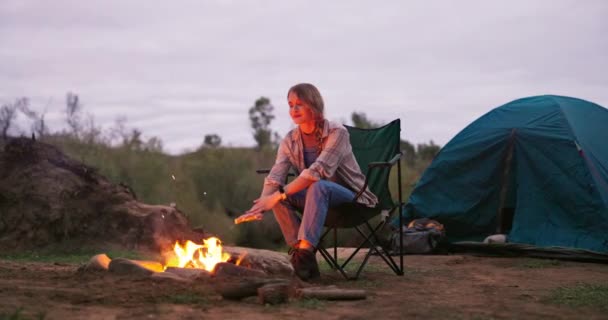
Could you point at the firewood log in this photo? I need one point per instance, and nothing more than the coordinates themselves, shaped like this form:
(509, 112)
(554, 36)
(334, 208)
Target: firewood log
(274, 293)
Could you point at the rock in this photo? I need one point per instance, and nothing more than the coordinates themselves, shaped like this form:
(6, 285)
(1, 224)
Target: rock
(226, 269)
(271, 262)
(133, 267)
(169, 277)
(496, 238)
(236, 289)
(99, 262)
(188, 273)
(47, 197)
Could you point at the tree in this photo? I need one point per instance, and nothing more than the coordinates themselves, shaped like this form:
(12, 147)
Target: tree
(39, 127)
(212, 140)
(134, 140)
(8, 113)
(261, 116)
(360, 120)
(428, 151)
(73, 111)
(409, 152)
(154, 144)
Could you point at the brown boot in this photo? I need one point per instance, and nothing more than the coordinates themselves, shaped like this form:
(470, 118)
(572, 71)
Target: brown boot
(305, 265)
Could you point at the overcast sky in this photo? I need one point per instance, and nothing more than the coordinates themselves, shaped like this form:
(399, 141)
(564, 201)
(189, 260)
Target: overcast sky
(182, 69)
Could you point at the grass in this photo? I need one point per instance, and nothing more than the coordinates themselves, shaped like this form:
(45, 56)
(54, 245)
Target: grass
(539, 263)
(67, 257)
(581, 295)
(18, 315)
(187, 298)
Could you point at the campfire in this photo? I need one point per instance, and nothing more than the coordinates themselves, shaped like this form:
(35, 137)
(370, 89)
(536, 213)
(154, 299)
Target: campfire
(242, 274)
(198, 256)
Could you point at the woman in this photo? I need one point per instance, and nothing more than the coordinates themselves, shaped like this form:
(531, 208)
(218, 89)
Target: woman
(328, 175)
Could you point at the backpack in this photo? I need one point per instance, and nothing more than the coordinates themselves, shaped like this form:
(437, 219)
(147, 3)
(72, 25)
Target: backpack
(420, 236)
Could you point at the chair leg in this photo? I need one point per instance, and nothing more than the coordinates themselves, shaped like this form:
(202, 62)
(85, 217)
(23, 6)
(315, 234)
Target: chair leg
(376, 246)
(332, 261)
(371, 240)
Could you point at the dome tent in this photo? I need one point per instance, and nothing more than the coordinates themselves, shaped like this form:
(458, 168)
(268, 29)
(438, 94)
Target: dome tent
(535, 169)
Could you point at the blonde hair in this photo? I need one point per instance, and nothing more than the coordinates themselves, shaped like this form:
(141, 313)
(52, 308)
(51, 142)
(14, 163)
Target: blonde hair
(310, 95)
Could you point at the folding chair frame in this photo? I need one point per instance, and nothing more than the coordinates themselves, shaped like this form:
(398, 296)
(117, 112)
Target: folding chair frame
(375, 246)
(370, 238)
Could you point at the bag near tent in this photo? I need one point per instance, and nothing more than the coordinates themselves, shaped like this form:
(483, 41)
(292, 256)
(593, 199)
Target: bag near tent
(419, 236)
(535, 169)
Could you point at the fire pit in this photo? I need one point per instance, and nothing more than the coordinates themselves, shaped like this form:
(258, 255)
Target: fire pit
(234, 272)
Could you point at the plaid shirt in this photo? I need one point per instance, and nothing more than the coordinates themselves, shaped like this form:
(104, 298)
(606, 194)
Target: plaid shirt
(335, 163)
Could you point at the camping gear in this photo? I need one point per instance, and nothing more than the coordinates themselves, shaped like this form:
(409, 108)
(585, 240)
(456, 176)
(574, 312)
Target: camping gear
(420, 236)
(535, 169)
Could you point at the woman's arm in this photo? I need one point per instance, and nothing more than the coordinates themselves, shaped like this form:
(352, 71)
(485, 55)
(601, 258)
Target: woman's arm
(267, 202)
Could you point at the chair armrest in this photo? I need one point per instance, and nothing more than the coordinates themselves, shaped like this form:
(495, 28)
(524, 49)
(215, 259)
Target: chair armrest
(373, 165)
(389, 163)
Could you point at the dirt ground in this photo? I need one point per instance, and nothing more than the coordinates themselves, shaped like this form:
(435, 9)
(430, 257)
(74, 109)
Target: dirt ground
(434, 287)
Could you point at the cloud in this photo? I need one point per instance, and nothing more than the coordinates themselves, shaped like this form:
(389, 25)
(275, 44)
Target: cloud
(180, 70)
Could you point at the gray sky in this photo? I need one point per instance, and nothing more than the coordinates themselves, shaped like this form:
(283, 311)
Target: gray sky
(182, 69)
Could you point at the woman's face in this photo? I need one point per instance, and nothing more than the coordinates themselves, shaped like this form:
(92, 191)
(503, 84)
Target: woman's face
(299, 111)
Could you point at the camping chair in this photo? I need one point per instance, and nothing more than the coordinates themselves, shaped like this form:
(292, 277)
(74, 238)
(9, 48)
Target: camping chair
(376, 151)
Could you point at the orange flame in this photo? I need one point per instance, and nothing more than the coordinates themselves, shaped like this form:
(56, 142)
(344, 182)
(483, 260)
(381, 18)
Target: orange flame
(193, 255)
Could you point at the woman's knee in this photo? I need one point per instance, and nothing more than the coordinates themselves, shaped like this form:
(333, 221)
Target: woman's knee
(319, 187)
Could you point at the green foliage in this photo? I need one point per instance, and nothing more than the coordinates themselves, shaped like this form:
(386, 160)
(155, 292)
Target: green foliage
(212, 141)
(8, 114)
(18, 315)
(360, 120)
(205, 184)
(427, 151)
(581, 295)
(260, 115)
(73, 257)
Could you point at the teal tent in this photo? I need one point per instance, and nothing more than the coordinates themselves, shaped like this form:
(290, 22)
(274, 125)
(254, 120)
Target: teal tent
(535, 169)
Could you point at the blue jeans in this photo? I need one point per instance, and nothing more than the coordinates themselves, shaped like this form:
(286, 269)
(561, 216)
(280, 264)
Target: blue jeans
(313, 202)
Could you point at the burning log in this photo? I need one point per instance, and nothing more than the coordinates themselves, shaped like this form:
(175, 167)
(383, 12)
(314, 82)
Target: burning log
(330, 293)
(273, 263)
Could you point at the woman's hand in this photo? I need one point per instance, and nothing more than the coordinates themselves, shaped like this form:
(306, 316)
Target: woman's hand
(264, 204)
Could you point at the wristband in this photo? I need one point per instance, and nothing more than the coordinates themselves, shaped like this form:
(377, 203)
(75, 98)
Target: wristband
(282, 192)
